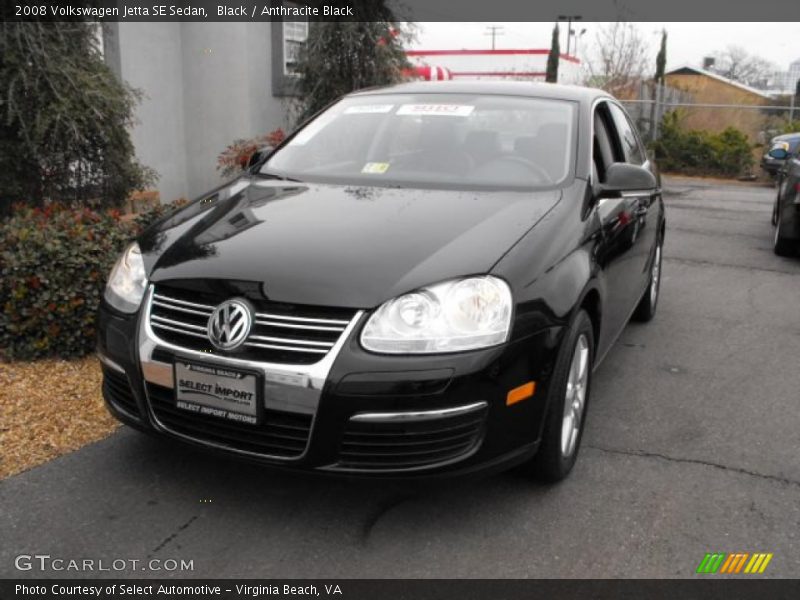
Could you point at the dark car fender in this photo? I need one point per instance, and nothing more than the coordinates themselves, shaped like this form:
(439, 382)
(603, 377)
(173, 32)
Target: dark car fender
(554, 274)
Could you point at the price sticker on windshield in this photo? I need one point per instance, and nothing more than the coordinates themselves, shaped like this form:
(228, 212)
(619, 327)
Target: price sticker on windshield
(368, 109)
(445, 110)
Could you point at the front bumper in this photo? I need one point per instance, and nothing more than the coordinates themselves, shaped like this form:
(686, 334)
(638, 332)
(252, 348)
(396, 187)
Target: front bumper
(353, 412)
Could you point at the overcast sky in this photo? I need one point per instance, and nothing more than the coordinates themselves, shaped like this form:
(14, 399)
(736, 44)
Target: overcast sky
(688, 42)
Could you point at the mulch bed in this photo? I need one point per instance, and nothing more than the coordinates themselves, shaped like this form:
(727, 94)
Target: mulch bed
(49, 408)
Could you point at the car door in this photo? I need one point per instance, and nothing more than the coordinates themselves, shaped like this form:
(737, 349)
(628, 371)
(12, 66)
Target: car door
(623, 251)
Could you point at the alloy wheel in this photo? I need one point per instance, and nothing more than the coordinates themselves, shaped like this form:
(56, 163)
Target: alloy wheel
(575, 399)
(655, 276)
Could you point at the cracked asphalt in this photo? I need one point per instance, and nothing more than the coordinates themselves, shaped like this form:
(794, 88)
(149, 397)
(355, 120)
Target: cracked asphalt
(692, 446)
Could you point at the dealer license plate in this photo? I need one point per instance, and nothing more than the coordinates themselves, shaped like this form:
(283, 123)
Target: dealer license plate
(217, 392)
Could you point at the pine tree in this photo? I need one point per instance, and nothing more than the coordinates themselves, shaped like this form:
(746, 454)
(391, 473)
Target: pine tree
(340, 57)
(552, 58)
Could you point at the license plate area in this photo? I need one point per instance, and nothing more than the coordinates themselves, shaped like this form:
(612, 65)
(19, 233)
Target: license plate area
(208, 390)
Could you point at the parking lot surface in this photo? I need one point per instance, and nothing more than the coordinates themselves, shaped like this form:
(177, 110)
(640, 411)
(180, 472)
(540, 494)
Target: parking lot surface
(692, 446)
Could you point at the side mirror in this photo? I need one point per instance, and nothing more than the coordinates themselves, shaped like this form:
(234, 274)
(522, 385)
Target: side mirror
(258, 156)
(623, 177)
(779, 153)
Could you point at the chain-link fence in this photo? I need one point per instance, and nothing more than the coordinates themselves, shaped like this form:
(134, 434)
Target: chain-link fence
(759, 120)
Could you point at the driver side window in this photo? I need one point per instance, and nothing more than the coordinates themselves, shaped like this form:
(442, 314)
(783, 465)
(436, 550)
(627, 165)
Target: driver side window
(603, 150)
(631, 146)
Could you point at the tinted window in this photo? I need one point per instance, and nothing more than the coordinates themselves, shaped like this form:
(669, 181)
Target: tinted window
(434, 140)
(627, 136)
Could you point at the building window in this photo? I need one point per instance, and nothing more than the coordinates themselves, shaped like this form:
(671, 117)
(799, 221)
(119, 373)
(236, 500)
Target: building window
(288, 38)
(295, 34)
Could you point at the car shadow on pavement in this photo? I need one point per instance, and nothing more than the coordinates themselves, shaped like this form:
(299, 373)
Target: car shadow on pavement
(251, 495)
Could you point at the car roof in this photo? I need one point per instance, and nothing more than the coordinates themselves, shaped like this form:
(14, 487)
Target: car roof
(530, 89)
(786, 136)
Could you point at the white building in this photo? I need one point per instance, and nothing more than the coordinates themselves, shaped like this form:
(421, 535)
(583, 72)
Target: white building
(204, 85)
(786, 81)
(793, 75)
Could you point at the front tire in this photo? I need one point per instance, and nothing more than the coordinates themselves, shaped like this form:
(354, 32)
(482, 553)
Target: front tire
(567, 401)
(646, 309)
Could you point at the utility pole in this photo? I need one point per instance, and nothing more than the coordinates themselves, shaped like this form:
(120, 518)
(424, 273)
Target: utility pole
(569, 19)
(494, 31)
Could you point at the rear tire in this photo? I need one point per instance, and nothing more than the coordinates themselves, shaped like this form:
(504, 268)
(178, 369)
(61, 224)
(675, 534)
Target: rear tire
(781, 245)
(646, 309)
(566, 404)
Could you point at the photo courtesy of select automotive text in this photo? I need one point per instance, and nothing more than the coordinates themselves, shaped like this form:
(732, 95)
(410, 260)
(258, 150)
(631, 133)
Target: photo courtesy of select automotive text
(408, 299)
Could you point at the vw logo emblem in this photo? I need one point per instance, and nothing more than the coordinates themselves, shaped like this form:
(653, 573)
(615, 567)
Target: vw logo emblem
(229, 324)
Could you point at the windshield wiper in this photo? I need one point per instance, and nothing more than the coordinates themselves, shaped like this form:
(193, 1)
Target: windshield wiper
(267, 175)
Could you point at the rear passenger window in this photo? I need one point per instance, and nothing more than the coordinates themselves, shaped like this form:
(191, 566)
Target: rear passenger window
(631, 146)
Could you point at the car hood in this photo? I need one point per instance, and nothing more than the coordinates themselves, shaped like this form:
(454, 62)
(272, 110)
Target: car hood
(339, 245)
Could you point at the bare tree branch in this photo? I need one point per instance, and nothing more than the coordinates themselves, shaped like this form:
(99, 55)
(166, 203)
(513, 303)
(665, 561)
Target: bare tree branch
(737, 64)
(618, 59)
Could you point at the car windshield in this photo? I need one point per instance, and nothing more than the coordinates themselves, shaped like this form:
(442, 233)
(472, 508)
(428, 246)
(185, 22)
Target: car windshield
(434, 141)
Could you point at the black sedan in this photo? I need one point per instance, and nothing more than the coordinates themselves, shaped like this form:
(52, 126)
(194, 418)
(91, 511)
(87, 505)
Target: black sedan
(421, 280)
(786, 212)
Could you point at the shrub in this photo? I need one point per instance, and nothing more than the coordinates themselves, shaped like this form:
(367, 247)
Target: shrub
(54, 262)
(790, 127)
(698, 152)
(234, 158)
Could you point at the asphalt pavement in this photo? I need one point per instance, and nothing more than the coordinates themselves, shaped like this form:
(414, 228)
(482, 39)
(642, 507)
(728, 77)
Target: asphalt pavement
(692, 446)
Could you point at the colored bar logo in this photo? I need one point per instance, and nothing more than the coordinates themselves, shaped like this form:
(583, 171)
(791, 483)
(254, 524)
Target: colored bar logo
(734, 563)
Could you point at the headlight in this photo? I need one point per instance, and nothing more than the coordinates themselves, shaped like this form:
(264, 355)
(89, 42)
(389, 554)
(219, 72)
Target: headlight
(448, 317)
(127, 282)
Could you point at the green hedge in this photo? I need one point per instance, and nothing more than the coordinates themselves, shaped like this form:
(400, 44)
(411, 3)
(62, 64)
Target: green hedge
(54, 262)
(698, 152)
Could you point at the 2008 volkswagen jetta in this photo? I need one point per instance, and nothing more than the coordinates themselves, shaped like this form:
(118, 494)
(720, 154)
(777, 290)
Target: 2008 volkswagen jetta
(420, 280)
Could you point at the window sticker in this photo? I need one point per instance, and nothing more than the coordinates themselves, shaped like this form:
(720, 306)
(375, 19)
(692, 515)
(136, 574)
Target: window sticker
(375, 168)
(368, 109)
(445, 110)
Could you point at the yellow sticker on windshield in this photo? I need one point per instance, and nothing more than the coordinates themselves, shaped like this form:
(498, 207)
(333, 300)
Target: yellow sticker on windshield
(375, 167)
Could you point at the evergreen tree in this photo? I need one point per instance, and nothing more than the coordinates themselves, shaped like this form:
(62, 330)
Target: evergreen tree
(340, 57)
(661, 58)
(552, 58)
(64, 118)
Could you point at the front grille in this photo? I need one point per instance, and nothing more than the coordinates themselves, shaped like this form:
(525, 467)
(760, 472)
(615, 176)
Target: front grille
(408, 445)
(282, 434)
(281, 333)
(117, 390)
